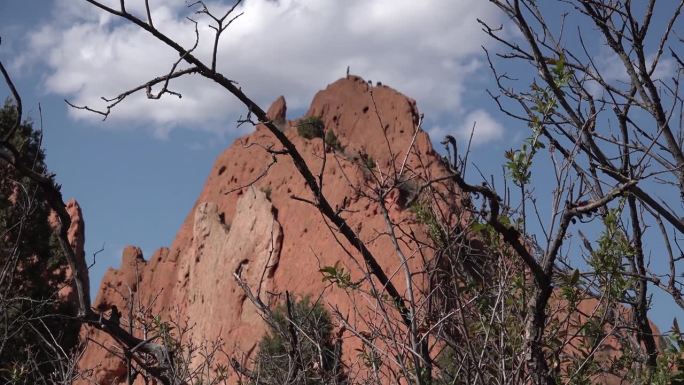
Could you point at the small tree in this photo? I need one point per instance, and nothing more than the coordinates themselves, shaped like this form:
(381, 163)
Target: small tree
(32, 338)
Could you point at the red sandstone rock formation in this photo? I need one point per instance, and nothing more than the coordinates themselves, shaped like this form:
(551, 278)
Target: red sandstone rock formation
(246, 221)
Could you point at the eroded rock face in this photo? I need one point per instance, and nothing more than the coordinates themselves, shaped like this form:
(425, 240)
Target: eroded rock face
(248, 246)
(207, 293)
(275, 243)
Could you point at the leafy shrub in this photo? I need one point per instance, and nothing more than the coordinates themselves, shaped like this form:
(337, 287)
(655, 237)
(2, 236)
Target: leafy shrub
(299, 347)
(311, 127)
(425, 216)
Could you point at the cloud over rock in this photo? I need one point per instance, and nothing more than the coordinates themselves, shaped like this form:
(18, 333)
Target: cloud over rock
(428, 49)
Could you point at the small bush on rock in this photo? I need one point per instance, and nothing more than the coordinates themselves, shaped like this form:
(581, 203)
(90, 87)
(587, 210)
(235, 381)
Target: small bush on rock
(299, 347)
(311, 127)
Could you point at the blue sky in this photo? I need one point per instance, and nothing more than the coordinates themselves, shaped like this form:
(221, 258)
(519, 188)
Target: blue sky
(137, 174)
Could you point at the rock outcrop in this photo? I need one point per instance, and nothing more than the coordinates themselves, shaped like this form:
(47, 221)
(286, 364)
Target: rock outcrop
(246, 221)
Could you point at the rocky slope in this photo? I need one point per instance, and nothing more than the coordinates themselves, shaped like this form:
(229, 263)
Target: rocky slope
(251, 219)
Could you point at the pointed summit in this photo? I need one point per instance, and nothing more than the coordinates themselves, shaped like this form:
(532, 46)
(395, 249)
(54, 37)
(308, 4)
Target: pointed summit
(278, 112)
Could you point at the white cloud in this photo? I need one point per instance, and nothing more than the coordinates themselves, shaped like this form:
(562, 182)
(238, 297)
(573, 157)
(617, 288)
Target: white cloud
(483, 127)
(428, 50)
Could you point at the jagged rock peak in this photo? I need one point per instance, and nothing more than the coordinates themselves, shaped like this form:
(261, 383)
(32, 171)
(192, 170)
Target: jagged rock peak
(278, 110)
